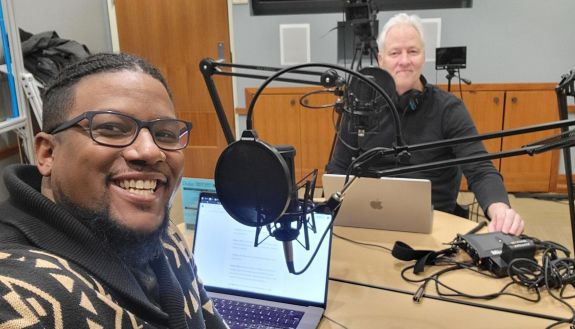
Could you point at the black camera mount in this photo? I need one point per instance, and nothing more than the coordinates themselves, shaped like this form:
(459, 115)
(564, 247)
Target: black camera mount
(361, 15)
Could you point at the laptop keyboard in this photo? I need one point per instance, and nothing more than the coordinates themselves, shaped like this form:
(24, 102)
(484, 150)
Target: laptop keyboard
(253, 316)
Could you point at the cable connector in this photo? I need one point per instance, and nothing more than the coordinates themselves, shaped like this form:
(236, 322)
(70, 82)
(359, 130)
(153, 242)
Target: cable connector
(418, 295)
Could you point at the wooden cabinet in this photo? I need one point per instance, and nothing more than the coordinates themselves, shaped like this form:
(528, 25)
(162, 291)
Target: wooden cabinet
(507, 106)
(529, 173)
(486, 109)
(280, 119)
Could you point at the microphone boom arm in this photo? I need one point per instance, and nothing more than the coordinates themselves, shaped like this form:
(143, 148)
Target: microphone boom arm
(209, 67)
(531, 149)
(285, 233)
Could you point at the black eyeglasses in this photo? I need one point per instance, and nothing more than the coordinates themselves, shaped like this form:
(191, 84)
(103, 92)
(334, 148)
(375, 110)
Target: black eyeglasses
(115, 129)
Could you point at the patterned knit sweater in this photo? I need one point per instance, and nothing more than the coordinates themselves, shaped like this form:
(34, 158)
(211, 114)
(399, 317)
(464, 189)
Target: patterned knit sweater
(55, 273)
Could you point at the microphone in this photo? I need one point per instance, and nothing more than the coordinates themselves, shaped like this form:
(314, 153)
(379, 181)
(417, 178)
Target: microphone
(284, 231)
(255, 183)
(288, 254)
(364, 104)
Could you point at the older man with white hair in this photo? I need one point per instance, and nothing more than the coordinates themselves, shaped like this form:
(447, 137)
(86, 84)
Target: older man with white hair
(428, 114)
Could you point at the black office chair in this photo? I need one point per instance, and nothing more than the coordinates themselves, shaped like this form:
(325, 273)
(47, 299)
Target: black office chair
(461, 210)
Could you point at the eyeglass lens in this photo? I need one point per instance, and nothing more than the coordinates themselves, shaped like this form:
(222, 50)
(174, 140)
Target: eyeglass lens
(119, 130)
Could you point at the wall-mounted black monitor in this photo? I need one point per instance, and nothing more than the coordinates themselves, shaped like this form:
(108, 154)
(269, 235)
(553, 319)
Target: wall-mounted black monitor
(287, 7)
(450, 58)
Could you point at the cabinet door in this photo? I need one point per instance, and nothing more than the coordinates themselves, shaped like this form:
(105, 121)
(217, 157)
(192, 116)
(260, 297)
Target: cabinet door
(525, 108)
(317, 134)
(167, 33)
(276, 119)
(280, 119)
(486, 109)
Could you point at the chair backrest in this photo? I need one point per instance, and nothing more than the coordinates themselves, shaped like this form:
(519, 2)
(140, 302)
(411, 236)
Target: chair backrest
(460, 210)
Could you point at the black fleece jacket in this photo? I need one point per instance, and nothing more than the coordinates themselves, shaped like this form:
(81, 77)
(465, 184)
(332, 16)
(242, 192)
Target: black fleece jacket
(438, 116)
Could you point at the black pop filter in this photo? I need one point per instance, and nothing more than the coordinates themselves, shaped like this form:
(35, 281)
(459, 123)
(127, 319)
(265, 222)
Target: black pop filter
(368, 95)
(253, 181)
(365, 104)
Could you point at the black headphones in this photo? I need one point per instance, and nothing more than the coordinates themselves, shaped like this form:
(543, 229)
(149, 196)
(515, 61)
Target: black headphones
(412, 99)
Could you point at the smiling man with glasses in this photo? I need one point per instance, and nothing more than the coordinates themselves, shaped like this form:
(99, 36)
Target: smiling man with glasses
(85, 238)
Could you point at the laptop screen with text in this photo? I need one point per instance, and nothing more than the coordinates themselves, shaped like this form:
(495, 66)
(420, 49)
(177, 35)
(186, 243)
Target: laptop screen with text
(228, 262)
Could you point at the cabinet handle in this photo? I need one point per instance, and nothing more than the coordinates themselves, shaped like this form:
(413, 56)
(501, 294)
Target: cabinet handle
(292, 102)
(514, 100)
(496, 99)
(221, 53)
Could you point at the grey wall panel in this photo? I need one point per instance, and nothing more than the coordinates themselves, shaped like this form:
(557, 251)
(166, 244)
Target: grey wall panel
(507, 40)
(85, 21)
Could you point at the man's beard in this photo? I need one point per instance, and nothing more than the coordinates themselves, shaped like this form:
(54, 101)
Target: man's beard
(134, 248)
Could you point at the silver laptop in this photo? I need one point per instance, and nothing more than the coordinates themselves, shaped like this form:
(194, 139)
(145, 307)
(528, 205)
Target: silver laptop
(388, 203)
(243, 279)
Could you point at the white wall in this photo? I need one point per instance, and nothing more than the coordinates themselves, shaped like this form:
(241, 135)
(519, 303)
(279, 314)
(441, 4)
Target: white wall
(85, 21)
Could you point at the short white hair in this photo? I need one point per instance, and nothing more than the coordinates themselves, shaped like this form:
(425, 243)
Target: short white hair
(400, 19)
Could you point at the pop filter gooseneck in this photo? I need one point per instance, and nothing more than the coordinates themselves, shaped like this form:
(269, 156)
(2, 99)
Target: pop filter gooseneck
(255, 181)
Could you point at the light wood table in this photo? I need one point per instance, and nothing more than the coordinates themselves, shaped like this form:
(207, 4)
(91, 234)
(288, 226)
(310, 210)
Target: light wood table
(366, 289)
(357, 307)
(373, 266)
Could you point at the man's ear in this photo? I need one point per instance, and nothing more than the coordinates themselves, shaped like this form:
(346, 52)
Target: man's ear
(44, 146)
